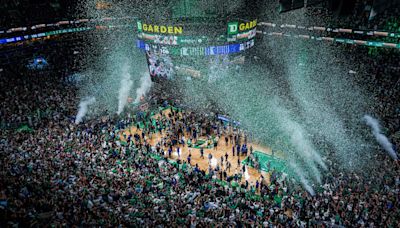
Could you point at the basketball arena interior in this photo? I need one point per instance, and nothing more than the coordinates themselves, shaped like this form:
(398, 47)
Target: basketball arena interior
(200, 113)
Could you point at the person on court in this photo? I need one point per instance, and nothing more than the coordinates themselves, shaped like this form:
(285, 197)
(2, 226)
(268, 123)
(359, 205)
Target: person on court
(201, 152)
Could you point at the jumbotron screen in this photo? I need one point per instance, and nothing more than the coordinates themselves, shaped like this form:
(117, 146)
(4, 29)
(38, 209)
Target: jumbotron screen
(160, 66)
(167, 67)
(181, 51)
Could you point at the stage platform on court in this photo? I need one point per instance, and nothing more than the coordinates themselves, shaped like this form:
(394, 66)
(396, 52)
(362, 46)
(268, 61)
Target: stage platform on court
(268, 162)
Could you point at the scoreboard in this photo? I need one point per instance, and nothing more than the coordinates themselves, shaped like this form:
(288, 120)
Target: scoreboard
(190, 36)
(180, 48)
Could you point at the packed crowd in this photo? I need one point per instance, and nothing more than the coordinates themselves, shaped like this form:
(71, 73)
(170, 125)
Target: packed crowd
(380, 77)
(64, 174)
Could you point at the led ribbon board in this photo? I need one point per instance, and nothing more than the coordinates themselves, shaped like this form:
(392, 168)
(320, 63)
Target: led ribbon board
(197, 51)
(43, 34)
(173, 40)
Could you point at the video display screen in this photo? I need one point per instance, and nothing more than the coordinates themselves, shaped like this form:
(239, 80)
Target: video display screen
(160, 66)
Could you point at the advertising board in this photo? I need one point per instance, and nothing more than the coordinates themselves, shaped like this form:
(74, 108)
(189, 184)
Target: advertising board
(159, 29)
(241, 30)
(197, 51)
